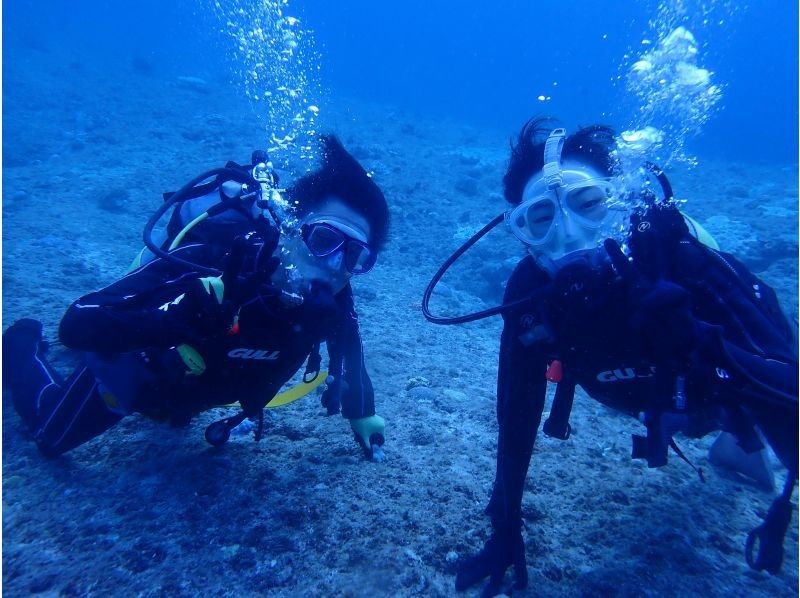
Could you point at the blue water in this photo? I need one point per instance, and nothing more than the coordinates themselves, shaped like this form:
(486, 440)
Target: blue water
(107, 104)
(487, 62)
(483, 63)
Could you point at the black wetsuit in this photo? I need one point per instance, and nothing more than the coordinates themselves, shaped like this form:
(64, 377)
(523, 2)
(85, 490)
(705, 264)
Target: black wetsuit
(585, 323)
(129, 332)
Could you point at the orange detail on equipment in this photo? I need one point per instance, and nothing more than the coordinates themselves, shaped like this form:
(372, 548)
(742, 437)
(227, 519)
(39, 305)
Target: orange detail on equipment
(555, 372)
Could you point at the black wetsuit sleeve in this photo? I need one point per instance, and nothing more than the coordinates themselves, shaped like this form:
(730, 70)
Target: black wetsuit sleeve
(346, 353)
(125, 315)
(521, 390)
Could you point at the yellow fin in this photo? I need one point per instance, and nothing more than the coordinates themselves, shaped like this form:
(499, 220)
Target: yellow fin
(297, 391)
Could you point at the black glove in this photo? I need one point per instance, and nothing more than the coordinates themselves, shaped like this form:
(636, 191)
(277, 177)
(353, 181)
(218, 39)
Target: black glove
(654, 234)
(662, 321)
(320, 304)
(505, 548)
(579, 289)
(768, 538)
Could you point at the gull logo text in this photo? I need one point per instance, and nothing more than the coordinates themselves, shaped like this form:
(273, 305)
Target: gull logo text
(626, 374)
(257, 354)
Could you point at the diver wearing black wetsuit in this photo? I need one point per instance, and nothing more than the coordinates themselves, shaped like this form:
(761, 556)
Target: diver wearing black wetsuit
(675, 333)
(130, 330)
(169, 342)
(589, 332)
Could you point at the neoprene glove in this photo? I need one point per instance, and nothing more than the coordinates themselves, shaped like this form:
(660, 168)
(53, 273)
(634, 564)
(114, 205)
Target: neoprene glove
(369, 433)
(579, 288)
(505, 548)
(655, 233)
(662, 321)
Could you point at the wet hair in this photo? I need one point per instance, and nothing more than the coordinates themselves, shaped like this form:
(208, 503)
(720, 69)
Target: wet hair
(341, 176)
(590, 145)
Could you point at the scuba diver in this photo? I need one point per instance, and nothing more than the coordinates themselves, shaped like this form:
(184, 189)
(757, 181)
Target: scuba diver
(223, 306)
(669, 330)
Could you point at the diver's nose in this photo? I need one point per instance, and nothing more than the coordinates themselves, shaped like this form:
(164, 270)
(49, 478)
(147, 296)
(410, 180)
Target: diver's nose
(336, 261)
(568, 227)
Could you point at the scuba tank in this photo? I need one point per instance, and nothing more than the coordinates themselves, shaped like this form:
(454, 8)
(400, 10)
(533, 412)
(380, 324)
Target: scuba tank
(215, 207)
(218, 204)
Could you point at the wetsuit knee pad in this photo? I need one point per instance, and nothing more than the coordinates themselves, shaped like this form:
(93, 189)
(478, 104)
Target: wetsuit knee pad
(71, 414)
(123, 381)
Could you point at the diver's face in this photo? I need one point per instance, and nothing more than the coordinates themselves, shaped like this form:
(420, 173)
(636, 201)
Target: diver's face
(331, 245)
(556, 222)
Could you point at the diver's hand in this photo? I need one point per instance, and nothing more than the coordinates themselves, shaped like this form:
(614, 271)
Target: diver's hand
(655, 233)
(369, 433)
(579, 289)
(206, 307)
(662, 320)
(209, 305)
(664, 323)
(505, 548)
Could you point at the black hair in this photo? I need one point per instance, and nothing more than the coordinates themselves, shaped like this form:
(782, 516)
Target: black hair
(341, 176)
(590, 145)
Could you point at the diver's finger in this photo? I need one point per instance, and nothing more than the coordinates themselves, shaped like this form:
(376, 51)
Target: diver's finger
(271, 240)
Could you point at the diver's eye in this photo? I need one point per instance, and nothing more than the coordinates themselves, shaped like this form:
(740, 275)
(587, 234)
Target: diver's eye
(589, 202)
(588, 205)
(542, 212)
(539, 218)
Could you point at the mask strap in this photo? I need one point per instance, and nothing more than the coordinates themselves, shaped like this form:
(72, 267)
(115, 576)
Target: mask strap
(552, 158)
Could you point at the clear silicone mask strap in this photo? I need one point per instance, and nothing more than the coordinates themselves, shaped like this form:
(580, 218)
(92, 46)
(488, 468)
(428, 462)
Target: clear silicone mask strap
(552, 158)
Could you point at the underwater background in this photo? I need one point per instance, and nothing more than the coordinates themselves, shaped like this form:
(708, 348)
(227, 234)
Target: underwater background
(108, 104)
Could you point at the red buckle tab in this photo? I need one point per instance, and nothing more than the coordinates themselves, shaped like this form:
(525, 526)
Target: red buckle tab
(555, 372)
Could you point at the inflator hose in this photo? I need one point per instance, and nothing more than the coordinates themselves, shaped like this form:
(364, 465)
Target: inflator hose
(479, 315)
(222, 174)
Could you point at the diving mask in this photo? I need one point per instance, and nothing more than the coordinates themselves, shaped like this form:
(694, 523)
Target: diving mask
(327, 237)
(562, 209)
(582, 204)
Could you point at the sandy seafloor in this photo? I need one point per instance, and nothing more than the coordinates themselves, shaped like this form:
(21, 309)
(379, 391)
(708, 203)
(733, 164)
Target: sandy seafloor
(151, 511)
